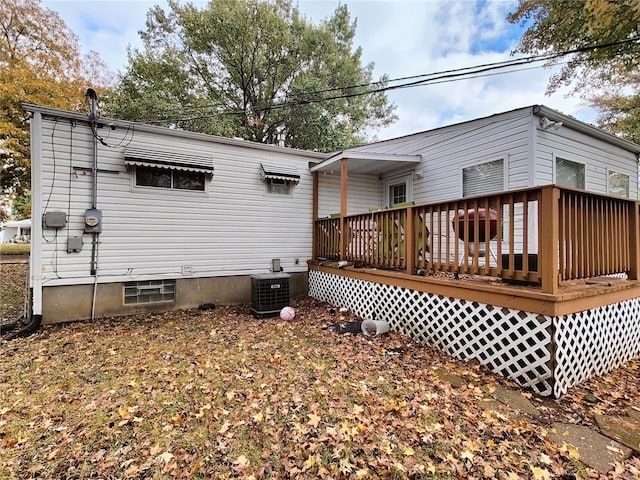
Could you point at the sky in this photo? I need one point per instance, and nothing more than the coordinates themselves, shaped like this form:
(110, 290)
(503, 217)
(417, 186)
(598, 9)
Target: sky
(402, 38)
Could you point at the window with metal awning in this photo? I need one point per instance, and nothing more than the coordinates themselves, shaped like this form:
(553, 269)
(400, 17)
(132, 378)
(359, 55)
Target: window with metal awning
(171, 160)
(168, 169)
(279, 179)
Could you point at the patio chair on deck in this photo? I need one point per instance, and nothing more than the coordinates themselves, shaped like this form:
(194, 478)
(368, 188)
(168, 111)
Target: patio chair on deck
(391, 241)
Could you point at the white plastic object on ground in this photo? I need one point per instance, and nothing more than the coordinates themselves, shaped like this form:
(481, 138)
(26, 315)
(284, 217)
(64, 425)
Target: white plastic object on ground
(373, 328)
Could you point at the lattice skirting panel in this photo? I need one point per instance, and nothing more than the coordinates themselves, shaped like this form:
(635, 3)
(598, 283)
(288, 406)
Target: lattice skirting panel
(595, 342)
(512, 343)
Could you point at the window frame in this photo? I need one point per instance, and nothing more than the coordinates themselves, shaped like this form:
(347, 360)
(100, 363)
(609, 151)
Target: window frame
(406, 179)
(478, 164)
(611, 171)
(556, 159)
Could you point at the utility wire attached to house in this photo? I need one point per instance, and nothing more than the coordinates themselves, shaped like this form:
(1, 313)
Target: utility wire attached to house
(444, 76)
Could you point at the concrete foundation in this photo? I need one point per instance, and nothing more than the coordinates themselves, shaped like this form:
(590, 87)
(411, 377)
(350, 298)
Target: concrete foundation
(74, 302)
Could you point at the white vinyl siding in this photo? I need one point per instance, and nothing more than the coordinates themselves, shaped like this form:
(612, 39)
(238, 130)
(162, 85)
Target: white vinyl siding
(447, 150)
(233, 228)
(597, 156)
(363, 194)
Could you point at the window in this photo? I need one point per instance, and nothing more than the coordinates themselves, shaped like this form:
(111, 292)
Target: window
(279, 179)
(175, 170)
(484, 178)
(569, 174)
(397, 193)
(150, 291)
(167, 178)
(618, 184)
(278, 186)
(398, 189)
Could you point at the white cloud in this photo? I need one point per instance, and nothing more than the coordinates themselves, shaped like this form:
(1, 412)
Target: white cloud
(402, 38)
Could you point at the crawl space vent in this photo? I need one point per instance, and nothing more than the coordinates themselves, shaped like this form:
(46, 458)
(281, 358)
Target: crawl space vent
(269, 294)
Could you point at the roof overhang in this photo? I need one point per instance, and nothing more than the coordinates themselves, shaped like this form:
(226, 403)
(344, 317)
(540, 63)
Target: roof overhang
(367, 163)
(183, 134)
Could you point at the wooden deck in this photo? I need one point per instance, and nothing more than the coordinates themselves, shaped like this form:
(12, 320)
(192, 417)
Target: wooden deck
(571, 249)
(572, 295)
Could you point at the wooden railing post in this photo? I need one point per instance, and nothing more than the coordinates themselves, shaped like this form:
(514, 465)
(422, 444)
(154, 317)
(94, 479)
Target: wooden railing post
(549, 221)
(634, 241)
(409, 241)
(343, 207)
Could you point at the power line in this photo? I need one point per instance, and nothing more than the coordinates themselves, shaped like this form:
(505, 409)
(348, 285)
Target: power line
(445, 76)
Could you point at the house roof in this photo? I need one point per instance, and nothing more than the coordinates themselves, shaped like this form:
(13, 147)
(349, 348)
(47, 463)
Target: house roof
(368, 162)
(105, 121)
(535, 110)
(17, 223)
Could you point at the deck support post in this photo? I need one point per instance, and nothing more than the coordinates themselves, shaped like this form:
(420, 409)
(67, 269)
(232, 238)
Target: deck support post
(343, 207)
(549, 221)
(410, 241)
(634, 242)
(314, 216)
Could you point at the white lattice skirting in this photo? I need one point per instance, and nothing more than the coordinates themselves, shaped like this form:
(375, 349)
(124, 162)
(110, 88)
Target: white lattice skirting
(595, 342)
(513, 343)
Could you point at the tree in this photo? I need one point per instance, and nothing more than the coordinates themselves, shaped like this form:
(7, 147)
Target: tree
(21, 206)
(613, 25)
(253, 69)
(39, 67)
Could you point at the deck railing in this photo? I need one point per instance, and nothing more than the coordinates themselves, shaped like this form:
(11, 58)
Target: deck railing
(542, 235)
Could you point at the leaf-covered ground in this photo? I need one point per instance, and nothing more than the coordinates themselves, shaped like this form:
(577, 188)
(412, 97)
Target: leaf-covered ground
(219, 394)
(13, 277)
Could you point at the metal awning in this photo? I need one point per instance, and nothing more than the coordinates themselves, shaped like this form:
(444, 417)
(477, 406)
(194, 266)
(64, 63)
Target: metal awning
(368, 163)
(168, 159)
(279, 172)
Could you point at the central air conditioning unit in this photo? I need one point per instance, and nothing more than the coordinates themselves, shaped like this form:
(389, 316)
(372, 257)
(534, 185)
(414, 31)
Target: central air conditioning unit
(270, 293)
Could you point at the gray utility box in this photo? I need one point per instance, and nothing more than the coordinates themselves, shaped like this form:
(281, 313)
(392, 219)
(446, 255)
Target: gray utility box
(270, 293)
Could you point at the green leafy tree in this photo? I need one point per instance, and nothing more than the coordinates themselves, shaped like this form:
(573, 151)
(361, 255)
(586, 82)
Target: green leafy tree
(41, 67)
(253, 69)
(561, 25)
(21, 206)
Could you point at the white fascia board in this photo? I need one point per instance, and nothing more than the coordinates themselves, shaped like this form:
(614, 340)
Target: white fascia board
(333, 162)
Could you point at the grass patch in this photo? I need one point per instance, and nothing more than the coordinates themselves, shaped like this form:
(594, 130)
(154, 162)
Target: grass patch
(15, 248)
